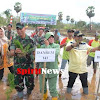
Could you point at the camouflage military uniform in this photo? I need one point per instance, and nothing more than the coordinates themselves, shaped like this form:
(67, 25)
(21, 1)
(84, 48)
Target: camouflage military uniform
(23, 63)
(39, 40)
(9, 34)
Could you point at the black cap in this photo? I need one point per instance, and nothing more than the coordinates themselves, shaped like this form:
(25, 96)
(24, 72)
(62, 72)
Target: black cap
(56, 30)
(70, 31)
(47, 29)
(78, 33)
(9, 25)
(19, 25)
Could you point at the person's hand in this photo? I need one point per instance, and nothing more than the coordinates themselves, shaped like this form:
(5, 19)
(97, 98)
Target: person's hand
(76, 44)
(46, 42)
(18, 50)
(64, 44)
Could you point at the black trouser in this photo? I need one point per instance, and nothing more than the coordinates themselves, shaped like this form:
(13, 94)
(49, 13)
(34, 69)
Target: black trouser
(73, 76)
(2, 71)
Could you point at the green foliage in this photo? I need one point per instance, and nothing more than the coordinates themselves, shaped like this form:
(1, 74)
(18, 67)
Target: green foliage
(60, 16)
(38, 46)
(11, 85)
(57, 42)
(2, 21)
(7, 13)
(72, 20)
(67, 18)
(80, 25)
(18, 7)
(23, 49)
(18, 45)
(90, 11)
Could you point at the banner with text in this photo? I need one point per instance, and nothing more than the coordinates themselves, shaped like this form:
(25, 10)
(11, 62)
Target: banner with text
(31, 18)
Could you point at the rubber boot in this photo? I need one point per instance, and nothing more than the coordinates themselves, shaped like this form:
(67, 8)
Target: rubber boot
(20, 94)
(85, 91)
(54, 98)
(45, 96)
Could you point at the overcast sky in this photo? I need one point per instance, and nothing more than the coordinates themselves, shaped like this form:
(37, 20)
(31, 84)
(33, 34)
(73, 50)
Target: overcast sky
(74, 8)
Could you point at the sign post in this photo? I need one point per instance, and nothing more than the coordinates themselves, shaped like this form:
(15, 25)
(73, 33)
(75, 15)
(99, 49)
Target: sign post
(97, 59)
(44, 55)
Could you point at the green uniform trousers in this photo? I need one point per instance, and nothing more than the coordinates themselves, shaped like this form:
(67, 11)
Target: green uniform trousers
(52, 85)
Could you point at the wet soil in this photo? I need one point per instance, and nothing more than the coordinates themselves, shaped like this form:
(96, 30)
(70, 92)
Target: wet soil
(76, 93)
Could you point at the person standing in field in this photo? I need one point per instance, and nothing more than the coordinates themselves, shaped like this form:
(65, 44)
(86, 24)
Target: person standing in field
(94, 43)
(5, 60)
(56, 37)
(39, 38)
(63, 44)
(9, 33)
(23, 61)
(51, 78)
(33, 34)
(78, 61)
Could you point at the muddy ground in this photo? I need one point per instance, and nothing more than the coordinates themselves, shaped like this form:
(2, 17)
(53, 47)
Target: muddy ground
(61, 87)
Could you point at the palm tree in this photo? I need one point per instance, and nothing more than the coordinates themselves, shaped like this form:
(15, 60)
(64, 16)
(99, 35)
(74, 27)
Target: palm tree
(72, 20)
(67, 18)
(90, 13)
(60, 15)
(17, 7)
(8, 14)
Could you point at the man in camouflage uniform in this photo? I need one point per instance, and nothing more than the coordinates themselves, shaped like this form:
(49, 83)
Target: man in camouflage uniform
(9, 33)
(24, 62)
(39, 38)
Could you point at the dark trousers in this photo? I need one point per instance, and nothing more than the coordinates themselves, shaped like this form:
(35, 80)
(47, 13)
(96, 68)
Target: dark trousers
(73, 76)
(2, 71)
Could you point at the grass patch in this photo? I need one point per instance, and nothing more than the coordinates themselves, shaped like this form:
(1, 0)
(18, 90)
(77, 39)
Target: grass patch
(11, 85)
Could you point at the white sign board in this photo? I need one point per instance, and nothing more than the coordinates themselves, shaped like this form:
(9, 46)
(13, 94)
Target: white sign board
(45, 55)
(97, 56)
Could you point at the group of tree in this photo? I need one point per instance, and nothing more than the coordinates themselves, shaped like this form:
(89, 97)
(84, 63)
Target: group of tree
(5, 20)
(60, 18)
(89, 12)
(71, 23)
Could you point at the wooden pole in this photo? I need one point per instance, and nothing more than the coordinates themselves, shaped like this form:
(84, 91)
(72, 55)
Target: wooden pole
(34, 67)
(98, 86)
(43, 81)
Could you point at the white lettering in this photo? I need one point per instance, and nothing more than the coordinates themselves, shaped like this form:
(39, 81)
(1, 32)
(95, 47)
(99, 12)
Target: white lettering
(49, 71)
(44, 71)
(55, 71)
